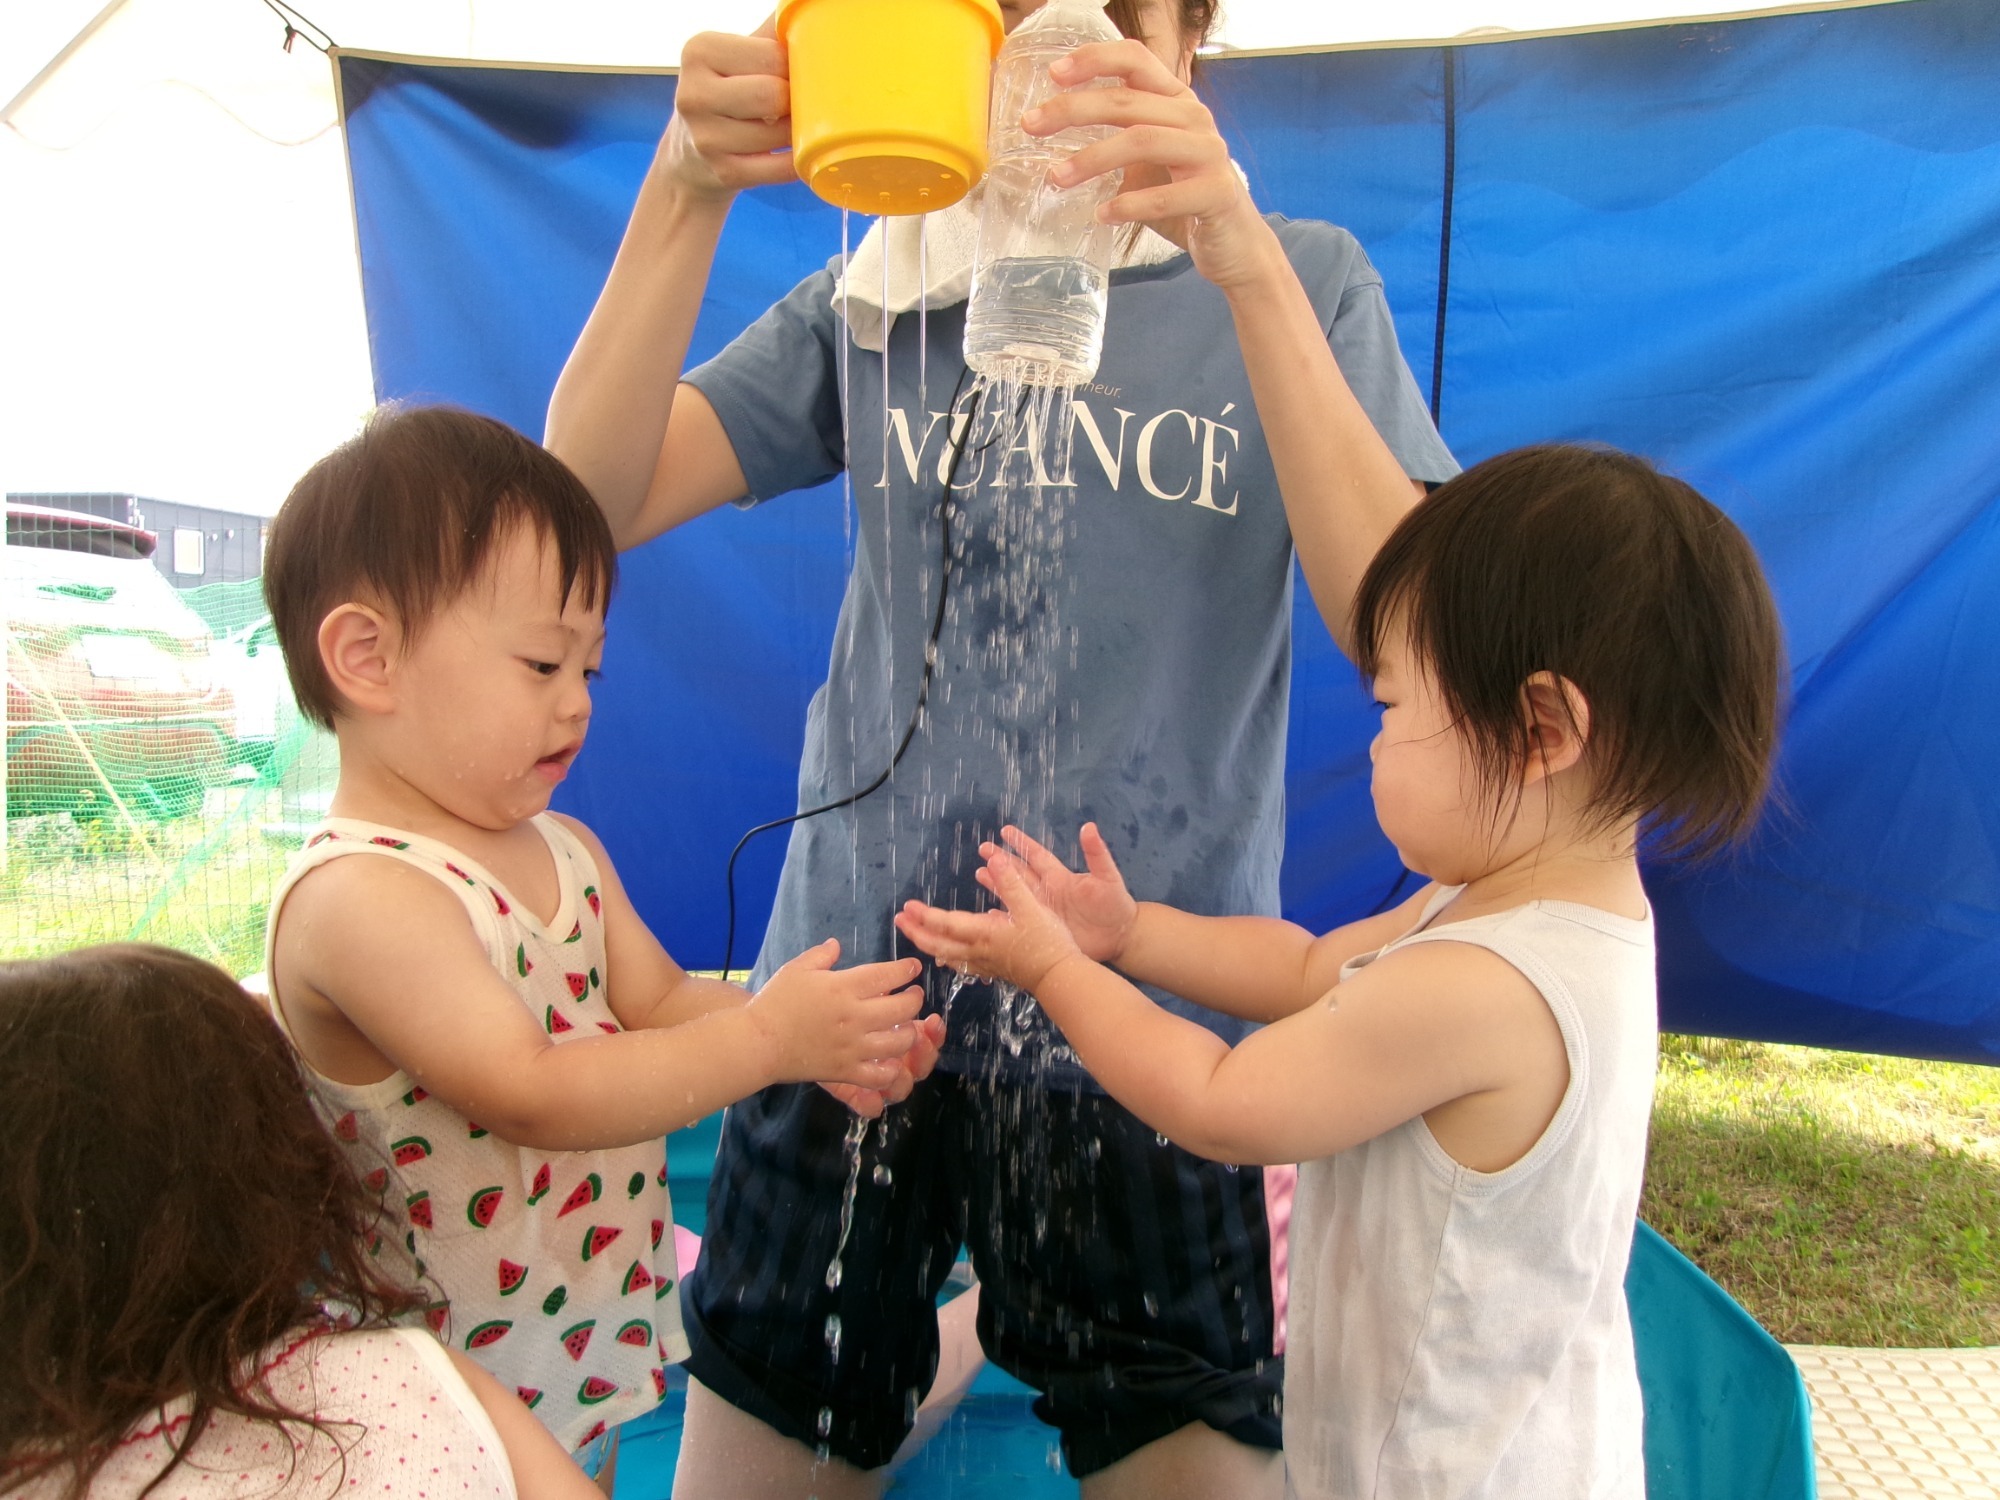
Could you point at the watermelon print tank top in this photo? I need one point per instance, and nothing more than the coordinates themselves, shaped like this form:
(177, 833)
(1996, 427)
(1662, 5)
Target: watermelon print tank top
(554, 1269)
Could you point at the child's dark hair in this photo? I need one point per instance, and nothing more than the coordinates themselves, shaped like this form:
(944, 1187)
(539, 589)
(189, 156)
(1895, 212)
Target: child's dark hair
(1592, 565)
(170, 1206)
(403, 517)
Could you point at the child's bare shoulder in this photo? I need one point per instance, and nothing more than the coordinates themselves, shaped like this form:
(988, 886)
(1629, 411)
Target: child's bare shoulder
(1454, 978)
(363, 896)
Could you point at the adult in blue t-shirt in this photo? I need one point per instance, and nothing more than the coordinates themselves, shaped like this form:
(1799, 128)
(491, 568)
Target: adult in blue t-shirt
(1104, 590)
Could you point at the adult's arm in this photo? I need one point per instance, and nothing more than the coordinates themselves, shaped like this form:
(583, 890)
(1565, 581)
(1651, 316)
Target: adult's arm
(1343, 489)
(649, 448)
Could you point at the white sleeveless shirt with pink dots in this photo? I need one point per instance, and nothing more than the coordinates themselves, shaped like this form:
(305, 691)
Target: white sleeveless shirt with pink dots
(402, 1425)
(554, 1267)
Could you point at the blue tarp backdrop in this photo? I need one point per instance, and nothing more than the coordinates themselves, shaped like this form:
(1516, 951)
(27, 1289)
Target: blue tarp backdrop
(1766, 253)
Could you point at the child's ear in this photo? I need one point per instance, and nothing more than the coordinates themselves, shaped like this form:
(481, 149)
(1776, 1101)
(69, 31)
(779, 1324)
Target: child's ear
(358, 647)
(1558, 724)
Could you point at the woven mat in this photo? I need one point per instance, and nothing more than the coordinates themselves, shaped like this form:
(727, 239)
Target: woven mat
(1898, 1422)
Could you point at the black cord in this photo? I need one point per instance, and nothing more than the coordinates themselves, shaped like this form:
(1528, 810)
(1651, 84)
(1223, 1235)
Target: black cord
(923, 682)
(1444, 228)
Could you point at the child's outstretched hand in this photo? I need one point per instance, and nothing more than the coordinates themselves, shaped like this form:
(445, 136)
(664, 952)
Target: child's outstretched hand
(841, 1025)
(1019, 944)
(917, 1065)
(1094, 905)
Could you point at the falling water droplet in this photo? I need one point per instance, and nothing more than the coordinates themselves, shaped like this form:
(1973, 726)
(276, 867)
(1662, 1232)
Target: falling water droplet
(1152, 1305)
(882, 1176)
(833, 1335)
(825, 1425)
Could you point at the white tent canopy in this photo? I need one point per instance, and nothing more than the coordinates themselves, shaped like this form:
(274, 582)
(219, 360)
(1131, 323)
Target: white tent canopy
(183, 307)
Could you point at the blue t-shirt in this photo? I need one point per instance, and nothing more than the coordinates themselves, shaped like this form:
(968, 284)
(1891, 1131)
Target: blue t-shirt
(1116, 640)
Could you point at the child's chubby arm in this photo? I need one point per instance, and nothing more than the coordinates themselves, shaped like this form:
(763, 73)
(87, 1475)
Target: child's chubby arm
(1256, 968)
(375, 958)
(646, 989)
(1444, 1030)
(542, 1471)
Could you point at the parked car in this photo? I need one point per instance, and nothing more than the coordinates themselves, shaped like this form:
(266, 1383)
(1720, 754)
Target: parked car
(248, 662)
(110, 688)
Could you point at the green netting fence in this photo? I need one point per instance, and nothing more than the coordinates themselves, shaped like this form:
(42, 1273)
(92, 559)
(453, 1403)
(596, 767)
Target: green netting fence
(158, 775)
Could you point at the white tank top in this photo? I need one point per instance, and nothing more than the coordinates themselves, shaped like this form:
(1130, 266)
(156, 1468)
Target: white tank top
(409, 1429)
(1457, 1333)
(555, 1268)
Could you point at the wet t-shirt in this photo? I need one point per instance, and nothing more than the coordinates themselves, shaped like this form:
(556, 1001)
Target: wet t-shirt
(1116, 634)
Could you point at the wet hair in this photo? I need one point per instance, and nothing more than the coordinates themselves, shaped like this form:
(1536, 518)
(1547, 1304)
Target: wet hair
(404, 517)
(170, 1207)
(1592, 565)
(1196, 18)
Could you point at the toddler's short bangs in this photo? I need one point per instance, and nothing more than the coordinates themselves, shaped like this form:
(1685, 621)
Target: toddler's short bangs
(407, 514)
(1590, 564)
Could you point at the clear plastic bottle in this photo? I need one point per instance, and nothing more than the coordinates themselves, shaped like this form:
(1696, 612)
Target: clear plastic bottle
(1043, 261)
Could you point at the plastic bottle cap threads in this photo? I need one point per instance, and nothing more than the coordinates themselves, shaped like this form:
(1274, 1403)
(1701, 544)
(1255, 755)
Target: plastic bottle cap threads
(889, 98)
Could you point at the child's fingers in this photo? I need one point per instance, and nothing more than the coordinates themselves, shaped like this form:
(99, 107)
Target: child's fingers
(866, 980)
(942, 946)
(819, 956)
(889, 1042)
(871, 1075)
(868, 1103)
(1010, 884)
(1097, 854)
(1037, 856)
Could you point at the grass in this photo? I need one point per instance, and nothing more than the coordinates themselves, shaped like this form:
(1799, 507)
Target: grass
(1843, 1198)
(198, 884)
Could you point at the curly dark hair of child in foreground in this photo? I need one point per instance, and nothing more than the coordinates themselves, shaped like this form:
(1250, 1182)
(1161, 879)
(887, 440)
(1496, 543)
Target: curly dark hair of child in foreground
(172, 1208)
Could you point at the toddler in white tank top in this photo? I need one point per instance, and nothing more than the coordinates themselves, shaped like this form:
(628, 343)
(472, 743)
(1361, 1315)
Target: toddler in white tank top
(1570, 652)
(490, 1028)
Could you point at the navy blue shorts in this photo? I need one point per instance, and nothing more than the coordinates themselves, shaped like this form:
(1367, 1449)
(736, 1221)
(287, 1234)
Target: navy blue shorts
(1124, 1279)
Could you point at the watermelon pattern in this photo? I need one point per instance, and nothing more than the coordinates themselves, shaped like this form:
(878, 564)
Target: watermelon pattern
(410, 1150)
(638, 1333)
(488, 1333)
(583, 1194)
(519, 1288)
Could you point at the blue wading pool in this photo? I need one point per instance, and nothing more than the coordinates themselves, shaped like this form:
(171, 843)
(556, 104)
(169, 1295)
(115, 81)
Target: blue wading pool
(1726, 1412)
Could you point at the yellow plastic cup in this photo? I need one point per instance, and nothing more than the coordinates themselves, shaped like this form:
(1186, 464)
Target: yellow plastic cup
(889, 98)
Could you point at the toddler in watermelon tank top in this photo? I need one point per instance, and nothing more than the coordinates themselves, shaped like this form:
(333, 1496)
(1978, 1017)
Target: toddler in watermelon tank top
(487, 1023)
